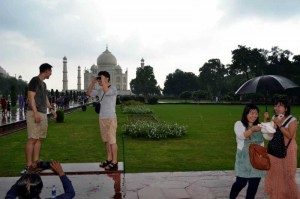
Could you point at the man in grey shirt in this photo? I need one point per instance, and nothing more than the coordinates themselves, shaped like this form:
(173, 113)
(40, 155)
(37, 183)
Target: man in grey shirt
(107, 117)
(36, 115)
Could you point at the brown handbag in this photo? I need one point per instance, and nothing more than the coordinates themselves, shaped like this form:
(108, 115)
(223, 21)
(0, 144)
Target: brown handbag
(259, 157)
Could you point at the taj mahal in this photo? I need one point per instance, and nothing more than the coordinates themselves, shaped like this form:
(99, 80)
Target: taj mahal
(105, 62)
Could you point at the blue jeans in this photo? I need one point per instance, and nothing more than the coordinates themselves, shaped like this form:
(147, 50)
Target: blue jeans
(240, 183)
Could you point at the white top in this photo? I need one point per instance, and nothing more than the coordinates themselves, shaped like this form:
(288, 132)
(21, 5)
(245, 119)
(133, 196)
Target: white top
(291, 120)
(239, 130)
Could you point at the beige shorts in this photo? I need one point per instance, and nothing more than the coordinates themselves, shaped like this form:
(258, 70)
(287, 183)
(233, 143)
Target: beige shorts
(36, 130)
(108, 130)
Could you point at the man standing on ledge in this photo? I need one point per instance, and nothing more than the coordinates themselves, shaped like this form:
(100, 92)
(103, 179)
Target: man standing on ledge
(36, 116)
(107, 118)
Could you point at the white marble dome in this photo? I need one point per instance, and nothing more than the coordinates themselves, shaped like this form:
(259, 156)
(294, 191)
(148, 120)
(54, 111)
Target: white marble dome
(106, 58)
(94, 68)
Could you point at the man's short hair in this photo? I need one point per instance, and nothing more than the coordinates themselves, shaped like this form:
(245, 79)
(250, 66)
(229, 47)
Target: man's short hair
(44, 67)
(105, 74)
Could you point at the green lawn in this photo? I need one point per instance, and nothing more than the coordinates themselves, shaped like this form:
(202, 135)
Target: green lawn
(209, 144)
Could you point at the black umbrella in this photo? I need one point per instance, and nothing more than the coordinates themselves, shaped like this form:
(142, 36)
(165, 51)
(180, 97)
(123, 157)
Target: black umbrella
(266, 84)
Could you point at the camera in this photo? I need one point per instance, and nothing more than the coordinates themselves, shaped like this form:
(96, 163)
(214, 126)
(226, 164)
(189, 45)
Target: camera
(98, 78)
(44, 165)
(280, 116)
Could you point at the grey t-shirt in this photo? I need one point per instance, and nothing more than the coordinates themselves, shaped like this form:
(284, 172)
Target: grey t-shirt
(108, 103)
(39, 87)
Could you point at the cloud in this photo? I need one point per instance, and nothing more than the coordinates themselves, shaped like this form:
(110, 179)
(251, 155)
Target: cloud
(235, 10)
(169, 34)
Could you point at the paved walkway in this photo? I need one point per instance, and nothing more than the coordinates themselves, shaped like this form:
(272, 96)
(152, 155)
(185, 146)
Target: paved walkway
(167, 185)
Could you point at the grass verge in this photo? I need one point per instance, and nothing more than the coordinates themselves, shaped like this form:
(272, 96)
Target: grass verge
(209, 144)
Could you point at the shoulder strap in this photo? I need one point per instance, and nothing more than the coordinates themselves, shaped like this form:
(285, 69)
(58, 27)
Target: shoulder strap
(287, 121)
(284, 124)
(103, 94)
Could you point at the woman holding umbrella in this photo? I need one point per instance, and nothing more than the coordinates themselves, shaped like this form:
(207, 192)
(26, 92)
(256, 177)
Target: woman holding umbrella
(247, 131)
(280, 179)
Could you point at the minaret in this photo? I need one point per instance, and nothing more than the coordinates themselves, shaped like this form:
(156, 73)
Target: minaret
(65, 74)
(79, 79)
(142, 63)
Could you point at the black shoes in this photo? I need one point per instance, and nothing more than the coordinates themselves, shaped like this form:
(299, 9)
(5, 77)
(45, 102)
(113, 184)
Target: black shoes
(112, 167)
(105, 163)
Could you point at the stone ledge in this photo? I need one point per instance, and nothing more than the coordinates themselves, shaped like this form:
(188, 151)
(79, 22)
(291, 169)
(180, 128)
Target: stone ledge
(83, 169)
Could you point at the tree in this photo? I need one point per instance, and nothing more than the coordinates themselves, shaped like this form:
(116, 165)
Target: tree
(180, 81)
(145, 83)
(200, 94)
(13, 96)
(56, 93)
(212, 75)
(6, 82)
(295, 76)
(186, 95)
(248, 62)
(279, 62)
(25, 93)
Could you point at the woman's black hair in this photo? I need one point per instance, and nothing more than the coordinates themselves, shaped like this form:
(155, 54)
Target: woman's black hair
(246, 111)
(29, 186)
(286, 105)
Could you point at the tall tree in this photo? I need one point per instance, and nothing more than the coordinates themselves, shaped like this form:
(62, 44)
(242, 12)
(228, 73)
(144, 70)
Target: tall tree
(279, 62)
(296, 69)
(212, 75)
(248, 62)
(145, 83)
(180, 81)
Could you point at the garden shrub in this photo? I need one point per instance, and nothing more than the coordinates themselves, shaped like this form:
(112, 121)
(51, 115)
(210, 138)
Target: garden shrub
(125, 98)
(118, 100)
(144, 117)
(140, 99)
(136, 109)
(132, 102)
(60, 116)
(152, 100)
(153, 130)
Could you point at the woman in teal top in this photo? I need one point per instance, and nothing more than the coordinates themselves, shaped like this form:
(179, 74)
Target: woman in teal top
(247, 131)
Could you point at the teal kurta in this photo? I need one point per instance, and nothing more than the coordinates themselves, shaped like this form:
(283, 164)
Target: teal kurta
(243, 167)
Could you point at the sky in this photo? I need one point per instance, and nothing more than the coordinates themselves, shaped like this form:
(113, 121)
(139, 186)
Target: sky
(167, 34)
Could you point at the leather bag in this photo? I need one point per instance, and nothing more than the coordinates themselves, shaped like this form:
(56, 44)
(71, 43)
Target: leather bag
(98, 104)
(259, 158)
(97, 107)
